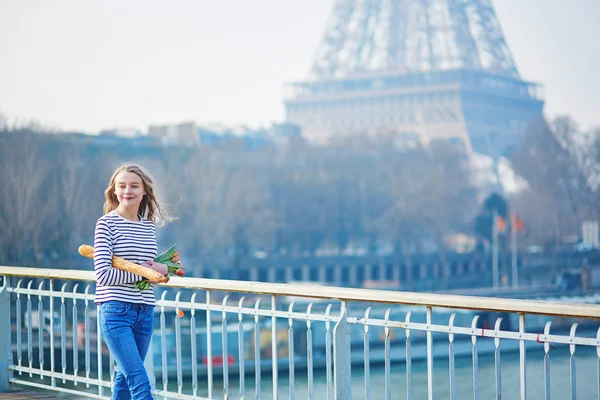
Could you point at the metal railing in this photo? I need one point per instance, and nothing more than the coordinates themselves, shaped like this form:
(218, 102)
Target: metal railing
(298, 341)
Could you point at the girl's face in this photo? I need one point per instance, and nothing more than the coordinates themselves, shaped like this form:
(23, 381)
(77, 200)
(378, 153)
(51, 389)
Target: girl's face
(129, 189)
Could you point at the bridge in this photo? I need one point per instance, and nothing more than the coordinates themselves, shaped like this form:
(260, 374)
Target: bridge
(414, 272)
(236, 339)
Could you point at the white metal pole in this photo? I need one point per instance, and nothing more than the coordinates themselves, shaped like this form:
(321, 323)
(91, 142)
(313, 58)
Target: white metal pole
(513, 245)
(495, 249)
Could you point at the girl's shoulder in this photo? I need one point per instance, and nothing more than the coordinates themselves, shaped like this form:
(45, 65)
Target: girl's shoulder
(146, 221)
(148, 224)
(108, 220)
(111, 216)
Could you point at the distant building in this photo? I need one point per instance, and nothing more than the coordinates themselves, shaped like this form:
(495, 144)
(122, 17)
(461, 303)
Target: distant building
(589, 233)
(185, 134)
(286, 134)
(122, 132)
(285, 130)
(219, 135)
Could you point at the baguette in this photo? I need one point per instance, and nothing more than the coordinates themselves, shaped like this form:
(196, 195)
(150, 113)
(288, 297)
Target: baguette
(124, 265)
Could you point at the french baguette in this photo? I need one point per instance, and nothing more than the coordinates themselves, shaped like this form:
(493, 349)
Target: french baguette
(124, 265)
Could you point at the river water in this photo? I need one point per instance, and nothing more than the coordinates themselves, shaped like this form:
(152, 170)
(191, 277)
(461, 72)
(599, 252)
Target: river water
(586, 379)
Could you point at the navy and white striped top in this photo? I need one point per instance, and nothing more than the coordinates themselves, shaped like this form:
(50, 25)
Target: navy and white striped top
(132, 241)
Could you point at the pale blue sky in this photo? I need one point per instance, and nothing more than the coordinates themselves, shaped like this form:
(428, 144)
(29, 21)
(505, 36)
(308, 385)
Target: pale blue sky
(97, 64)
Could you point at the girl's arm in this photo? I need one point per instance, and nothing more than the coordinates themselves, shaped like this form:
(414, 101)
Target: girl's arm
(106, 275)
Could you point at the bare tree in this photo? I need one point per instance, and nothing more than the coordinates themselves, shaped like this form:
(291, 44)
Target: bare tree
(551, 164)
(26, 202)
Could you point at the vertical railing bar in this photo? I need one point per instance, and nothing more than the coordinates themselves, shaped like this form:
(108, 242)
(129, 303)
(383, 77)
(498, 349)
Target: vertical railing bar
(163, 343)
(178, 343)
(87, 345)
(209, 362)
(99, 347)
(18, 310)
(291, 354)
(241, 355)
(475, 357)
(497, 363)
(388, 383)
(309, 352)
(257, 369)
(451, 364)
(225, 355)
(274, 345)
(29, 329)
(408, 360)
(367, 356)
(429, 356)
(193, 346)
(63, 334)
(522, 358)
(329, 353)
(51, 307)
(572, 365)
(75, 336)
(40, 329)
(547, 394)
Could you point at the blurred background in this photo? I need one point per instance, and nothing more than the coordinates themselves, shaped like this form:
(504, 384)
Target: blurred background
(445, 144)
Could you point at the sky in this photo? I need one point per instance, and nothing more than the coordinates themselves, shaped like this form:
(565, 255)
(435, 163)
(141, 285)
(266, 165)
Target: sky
(101, 64)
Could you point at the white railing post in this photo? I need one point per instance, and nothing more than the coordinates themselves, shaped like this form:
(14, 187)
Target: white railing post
(5, 344)
(341, 358)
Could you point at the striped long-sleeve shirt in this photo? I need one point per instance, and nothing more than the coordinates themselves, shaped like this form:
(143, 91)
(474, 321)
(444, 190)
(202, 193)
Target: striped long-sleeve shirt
(132, 241)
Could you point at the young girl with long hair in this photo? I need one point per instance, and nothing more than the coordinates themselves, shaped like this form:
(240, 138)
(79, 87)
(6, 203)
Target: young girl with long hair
(128, 230)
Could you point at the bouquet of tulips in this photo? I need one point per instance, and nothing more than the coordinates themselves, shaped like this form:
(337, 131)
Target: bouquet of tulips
(170, 258)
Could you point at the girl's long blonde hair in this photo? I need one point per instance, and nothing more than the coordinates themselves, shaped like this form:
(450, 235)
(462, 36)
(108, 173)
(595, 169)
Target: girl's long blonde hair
(151, 206)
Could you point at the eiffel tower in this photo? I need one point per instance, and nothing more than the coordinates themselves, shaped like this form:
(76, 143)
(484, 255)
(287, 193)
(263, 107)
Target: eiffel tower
(424, 70)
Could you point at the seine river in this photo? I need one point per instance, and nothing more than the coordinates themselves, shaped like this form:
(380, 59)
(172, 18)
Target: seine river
(586, 379)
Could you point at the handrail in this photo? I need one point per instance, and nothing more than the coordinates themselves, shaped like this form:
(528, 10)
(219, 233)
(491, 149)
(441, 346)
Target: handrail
(494, 304)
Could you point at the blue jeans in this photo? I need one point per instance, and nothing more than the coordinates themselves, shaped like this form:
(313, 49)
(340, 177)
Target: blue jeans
(127, 330)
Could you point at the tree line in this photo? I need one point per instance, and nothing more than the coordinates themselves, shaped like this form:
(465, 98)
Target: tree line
(293, 198)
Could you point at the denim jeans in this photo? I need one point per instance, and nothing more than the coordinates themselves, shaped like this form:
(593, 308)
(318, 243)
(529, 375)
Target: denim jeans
(127, 329)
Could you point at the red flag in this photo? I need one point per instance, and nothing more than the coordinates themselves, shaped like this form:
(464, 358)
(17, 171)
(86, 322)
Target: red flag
(518, 223)
(501, 224)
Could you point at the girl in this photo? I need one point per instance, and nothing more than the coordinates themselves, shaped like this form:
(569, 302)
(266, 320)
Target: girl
(127, 229)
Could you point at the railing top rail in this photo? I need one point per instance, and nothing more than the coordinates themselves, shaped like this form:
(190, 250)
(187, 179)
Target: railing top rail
(47, 273)
(348, 294)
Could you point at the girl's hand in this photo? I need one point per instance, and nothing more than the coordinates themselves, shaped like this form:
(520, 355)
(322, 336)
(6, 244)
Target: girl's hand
(158, 267)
